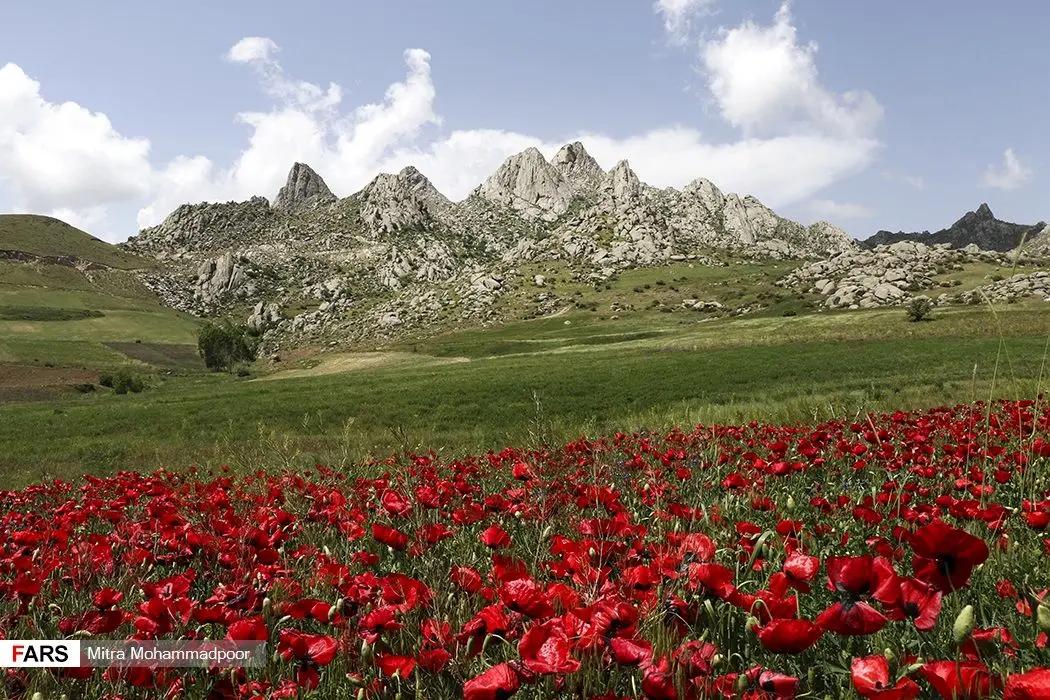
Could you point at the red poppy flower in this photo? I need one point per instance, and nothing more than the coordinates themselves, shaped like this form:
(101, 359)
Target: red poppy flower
(658, 682)
(965, 680)
(1034, 685)
(545, 649)
(789, 636)
(871, 679)
(945, 556)
(391, 664)
(434, 660)
(497, 683)
(249, 628)
(395, 503)
(310, 650)
(466, 578)
(800, 570)
(495, 537)
(919, 602)
(528, 597)
(630, 652)
(858, 579)
(389, 536)
(778, 684)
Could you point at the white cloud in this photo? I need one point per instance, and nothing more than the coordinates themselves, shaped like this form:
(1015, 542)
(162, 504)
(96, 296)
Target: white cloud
(678, 15)
(1012, 175)
(252, 49)
(765, 83)
(63, 156)
(830, 209)
(796, 136)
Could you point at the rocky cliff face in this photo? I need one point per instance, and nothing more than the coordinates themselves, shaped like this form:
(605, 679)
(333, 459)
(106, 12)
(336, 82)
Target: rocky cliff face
(304, 188)
(398, 254)
(979, 228)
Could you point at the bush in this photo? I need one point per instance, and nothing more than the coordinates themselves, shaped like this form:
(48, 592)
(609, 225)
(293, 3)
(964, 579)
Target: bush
(919, 309)
(125, 382)
(84, 388)
(223, 345)
(106, 380)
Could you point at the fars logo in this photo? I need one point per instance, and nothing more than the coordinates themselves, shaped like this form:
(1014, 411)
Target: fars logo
(39, 653)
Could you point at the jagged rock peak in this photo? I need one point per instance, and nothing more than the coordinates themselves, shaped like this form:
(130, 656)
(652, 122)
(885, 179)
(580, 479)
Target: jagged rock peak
(527, 183)
(304, 186)
(578, 168)
(621, 182)
(983, 213)
(422, 187)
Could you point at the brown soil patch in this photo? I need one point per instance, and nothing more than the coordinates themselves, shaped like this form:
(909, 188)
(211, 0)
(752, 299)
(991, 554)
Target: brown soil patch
(161, 354)
(34, 383)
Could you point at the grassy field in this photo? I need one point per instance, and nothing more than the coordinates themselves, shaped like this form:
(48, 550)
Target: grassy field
(621, 354)
(62, 316)
(45, 236)
(514, 391)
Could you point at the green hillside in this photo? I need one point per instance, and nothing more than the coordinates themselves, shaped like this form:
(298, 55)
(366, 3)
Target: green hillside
(63, 325)
(46, 236)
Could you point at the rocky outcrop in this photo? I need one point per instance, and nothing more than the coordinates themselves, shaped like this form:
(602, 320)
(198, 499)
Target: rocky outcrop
(264, 317)
(304, 188)
(391, 203)
(979, 228)
(578, 168)
(219, 276)
(885, 276)
(529, 185)
(398, 254)
(196, 228)
(1010, 290)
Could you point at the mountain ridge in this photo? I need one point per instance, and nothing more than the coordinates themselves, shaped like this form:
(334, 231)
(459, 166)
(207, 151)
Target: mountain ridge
(978, 227)
(398, 253)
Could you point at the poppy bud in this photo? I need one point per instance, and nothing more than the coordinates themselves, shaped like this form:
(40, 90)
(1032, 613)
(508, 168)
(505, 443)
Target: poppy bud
(919, 663)
(38, 696)
(891, 659)
(327, 552)
(741, 683)
(963, 625)
(267, 606)
(809, 676)
(1042, 616)
(752, 623)
(366, 653)
(546, 532)
(361, 694)
(283, 620)
(332, 612)
(716, 660)
(790, 504)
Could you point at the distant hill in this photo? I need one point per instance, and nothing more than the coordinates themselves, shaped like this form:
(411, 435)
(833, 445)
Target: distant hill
(978, 227)
(48, 237)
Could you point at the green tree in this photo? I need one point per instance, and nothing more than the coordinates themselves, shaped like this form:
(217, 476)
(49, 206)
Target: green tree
(919, 309)
(222, 345)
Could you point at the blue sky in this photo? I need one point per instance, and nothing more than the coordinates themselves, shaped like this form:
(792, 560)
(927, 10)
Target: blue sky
(897, 115)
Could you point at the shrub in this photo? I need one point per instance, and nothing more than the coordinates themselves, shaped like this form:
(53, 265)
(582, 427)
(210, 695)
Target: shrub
(223, 345)
(125, 382)
(106, 380)
(84, 388)
(919, 309)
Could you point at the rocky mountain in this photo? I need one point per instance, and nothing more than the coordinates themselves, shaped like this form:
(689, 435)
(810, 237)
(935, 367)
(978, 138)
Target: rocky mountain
(399, 255)
(979, 227)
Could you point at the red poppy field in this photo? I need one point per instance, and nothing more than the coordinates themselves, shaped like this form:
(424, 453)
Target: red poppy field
(892, 556)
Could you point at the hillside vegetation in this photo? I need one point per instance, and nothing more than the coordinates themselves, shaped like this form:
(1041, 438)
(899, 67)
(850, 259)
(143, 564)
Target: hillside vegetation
(47, 236)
